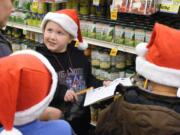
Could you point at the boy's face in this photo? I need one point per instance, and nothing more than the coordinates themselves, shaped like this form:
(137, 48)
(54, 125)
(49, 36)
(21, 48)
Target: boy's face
(6, 8)
(56, 38)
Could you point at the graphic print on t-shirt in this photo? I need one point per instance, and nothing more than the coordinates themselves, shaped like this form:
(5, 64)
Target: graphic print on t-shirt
(74, 79)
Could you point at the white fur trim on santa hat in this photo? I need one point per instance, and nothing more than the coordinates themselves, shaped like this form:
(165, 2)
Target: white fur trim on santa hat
(178, 93)
(35, 111)
(83, 46)
(141, 49)
(14, 131)
(161, 75)
(66, 22)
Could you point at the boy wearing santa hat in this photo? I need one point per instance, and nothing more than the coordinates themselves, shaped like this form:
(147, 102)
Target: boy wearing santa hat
(73, 68)
(28, 83)
(155, 108)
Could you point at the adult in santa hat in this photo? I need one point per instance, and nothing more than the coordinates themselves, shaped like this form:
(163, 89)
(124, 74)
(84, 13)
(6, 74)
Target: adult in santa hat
(28, 83)
(153, 109)
(72, 66)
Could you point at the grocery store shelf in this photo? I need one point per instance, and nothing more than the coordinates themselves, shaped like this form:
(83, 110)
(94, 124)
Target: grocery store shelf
(110, 45)
(91, 41)
(24, 27)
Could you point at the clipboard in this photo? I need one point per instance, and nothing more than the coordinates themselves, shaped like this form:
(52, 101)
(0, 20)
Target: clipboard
(102, 93)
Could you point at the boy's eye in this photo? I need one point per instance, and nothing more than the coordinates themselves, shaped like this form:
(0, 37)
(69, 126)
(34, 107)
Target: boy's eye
(49, 30)
(60, 33)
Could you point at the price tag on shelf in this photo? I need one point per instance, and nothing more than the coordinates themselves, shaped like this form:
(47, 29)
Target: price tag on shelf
(114, 13)
(114, 52)
(170, 8)
(77, 43)
(96, 2)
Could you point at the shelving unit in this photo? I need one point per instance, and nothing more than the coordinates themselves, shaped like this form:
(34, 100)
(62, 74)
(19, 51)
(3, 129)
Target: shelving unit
(24, 27)
(95, 42)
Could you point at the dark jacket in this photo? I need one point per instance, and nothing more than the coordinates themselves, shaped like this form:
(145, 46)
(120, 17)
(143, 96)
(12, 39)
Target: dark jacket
(5, 46)
(139, 112)
(74, 71)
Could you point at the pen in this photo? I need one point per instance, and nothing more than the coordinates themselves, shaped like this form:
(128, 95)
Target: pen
(84, 91)
(145, 84)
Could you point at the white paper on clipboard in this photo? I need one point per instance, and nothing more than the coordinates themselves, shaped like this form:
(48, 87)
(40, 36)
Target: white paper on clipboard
(102, 93)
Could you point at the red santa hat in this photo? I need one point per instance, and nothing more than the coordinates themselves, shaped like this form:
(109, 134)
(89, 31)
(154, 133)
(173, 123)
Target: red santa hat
(69, 21)
(159, 60)
(28, 83)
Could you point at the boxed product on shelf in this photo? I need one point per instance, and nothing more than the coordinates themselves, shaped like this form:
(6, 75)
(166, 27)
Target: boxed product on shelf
(91, 29)
(148, 34)
(84, 28)
(100, 30)
(119, 34)
(139, 36)
(138, 6)
(145, 7)
(108, 32)
(121, 5)
(129, 36)
(172, 6)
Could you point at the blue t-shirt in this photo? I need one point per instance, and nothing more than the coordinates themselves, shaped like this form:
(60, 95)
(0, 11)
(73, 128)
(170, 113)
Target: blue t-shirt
(53, 127)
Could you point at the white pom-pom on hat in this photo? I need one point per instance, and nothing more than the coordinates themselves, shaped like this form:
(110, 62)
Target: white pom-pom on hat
(83, 45)
(141, 49)
(14, 131)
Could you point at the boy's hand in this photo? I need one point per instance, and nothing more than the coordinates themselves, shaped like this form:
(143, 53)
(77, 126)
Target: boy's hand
(70, 96)
(51, 113)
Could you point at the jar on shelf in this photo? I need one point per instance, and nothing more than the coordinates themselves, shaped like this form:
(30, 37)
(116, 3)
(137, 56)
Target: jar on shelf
(113, 61)
(84, 8)
(130, 60)
(120, 61)
(93, 10)
(105, 60)
(97, 73)
(100, 11)
(122, 73)
(75, 4)
(129, 72)
(113, 73)
(102, 74)
(34, 6)
(42, 8)
(53, 6)
(69, 4)
(95, 61)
